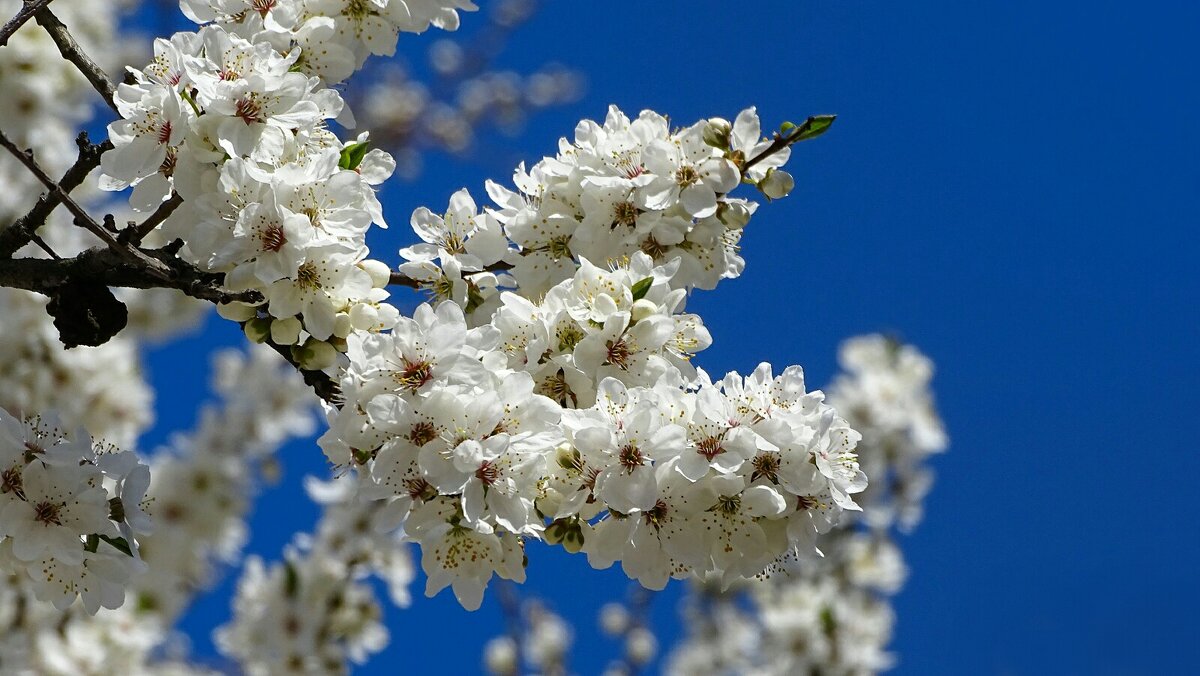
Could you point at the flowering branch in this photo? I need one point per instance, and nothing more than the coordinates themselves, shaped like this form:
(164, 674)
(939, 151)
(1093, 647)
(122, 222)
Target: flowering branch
(814, 126)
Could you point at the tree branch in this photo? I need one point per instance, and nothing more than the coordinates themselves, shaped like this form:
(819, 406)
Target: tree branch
(810, 128)
(322, 384)
(155, 219)
(30, 8)
(83, 219)
(401, 279)
(24, 229)
(108, 268)
(71, 52)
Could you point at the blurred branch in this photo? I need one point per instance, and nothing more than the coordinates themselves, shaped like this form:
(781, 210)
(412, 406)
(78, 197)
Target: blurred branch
(447, 107)
(28, 9)
(510, 604)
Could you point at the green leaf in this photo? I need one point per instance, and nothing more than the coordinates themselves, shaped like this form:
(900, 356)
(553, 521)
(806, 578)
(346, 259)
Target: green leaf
(786, 128)
(815, 126)
(120, 543)
(353, 154)
(642, 288)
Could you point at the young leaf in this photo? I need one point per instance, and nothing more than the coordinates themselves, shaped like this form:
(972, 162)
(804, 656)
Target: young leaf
(642, 288)
(353, 154)
(120, 543)
(815, 126)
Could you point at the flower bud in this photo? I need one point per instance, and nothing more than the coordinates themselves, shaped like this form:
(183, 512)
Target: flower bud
(364, 317)
(380, 273)
(286, 331)
(776, 184)
(257, 330)
(734, 215)
(716, 132)
(573, 539)
(342, 326)
(642, 309)
(315, 355)
(554, 533)
(237, 312)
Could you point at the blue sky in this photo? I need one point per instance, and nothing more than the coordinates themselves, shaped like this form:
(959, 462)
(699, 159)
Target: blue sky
(1011, 186)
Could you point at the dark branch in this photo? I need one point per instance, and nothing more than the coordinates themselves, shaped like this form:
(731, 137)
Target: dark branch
(71, 52)
(45, 247)
(155, 219)
(817, 123)
(30, 8)
(325, 387)
(82, 218)
(107, 268)
(24, 229)
(401, 279)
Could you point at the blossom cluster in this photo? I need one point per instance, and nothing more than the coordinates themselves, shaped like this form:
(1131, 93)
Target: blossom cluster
(544, 396)
(45, 97)
(201, 490)
(832, 614)
(301, 617)
(101, 389)
(538, 643)
(70, 512)
(671, 476)
(883, 391)
(233, 120)
(619, 188)
(107, 393)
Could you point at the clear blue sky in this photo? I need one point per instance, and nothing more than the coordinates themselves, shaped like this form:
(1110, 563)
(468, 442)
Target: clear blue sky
(1011, 185)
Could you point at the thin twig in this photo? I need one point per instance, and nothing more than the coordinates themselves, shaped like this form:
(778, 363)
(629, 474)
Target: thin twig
(25, 228)
(82, 218)
(70, 50)
(782, 141)
(155, 219)
(510, 604)
(30, 8)
(45, 247)
(401, 279)
(322, 384)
